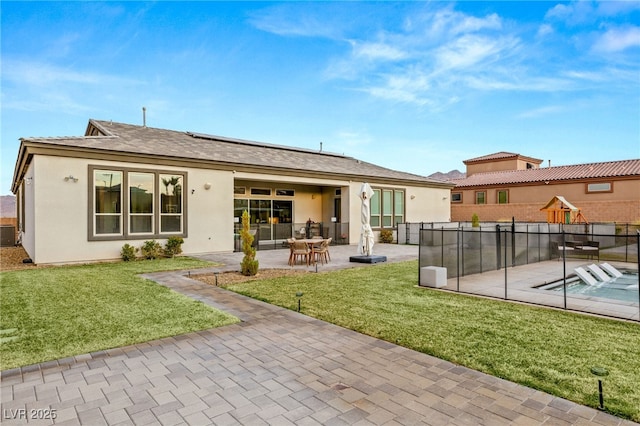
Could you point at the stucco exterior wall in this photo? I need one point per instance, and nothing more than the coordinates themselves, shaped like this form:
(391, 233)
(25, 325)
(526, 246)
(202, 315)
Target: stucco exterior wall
(428, 205)
(57, 231)
(29, 225)
(61, 220)
(502, 165)
(210, 212)
(525, 202)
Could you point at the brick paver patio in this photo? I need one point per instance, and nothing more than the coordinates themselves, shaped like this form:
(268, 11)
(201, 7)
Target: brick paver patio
(276, 367)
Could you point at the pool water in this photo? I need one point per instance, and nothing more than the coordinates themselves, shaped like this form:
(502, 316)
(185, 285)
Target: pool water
(623, 288)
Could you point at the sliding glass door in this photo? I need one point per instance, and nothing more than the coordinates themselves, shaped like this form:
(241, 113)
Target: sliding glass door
(271, 218)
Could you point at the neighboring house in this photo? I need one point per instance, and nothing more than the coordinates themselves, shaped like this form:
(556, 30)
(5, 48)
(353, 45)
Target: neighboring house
(82, 198)
(8, 221)
(503, 185)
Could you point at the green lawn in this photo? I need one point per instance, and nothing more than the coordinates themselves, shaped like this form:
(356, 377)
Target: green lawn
(545, 349)
(52, 313)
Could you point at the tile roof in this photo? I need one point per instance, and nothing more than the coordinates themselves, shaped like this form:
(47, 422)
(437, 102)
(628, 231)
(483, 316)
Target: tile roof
(500, 156)
(119, 138)
(610, 169)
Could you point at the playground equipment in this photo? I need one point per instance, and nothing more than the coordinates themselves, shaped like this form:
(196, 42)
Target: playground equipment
(560, 210)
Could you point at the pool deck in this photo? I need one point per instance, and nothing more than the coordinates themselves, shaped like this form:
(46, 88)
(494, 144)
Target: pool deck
(522, 279)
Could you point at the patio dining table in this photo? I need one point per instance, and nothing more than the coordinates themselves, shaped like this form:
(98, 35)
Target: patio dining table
(313, 243)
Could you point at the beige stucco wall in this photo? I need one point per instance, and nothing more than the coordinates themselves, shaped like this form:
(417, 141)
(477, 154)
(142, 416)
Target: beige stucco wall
(210, 212)
(29, 227)
(61, 220)
(501, 165)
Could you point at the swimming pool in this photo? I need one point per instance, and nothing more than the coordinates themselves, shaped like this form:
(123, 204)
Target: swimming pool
(623, 288)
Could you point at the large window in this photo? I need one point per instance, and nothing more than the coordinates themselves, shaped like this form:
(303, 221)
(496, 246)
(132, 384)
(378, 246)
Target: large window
(387, 208)
(128, 203)
(141, 190)
(108, 202)
(171, 204)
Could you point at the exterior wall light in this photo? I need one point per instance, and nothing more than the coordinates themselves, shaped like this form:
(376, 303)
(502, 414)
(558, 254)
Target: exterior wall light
(70, 178)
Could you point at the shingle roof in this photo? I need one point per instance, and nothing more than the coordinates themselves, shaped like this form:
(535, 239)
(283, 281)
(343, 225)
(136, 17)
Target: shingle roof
(608, 169)
(141, 140)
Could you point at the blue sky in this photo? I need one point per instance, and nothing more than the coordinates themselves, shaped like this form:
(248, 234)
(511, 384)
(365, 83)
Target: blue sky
(413, 86)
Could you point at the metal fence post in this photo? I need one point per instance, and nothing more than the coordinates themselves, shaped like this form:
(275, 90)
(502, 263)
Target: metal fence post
(505, 263)
(441, 245)
(458, 259)
(626, 244)
(498, 248)
(513, 242)
(564, 269)
(419, 255)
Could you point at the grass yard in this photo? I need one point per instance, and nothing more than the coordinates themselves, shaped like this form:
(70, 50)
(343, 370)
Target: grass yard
(52, 313)
(545, 349)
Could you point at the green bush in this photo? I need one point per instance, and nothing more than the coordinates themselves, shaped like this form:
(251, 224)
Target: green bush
(151, 249)
(386, 236)
(173, 246)
(128, 252)
(475, 221)
(249, 264)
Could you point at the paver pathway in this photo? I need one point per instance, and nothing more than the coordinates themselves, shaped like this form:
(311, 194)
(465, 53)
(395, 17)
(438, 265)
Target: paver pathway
(275, 367)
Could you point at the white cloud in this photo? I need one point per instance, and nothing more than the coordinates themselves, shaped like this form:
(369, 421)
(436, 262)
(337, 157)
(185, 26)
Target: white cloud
(42, 86)
(378, 51)
(438, 55)
(41, 74)
(469, 50)
(544, 30)
(294, 20)
(447, 22)
(618, 39)
(540, 112)
(467, 24)
(573, 13)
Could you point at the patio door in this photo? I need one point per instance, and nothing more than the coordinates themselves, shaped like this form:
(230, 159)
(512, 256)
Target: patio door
(271, 218)
(260, 213)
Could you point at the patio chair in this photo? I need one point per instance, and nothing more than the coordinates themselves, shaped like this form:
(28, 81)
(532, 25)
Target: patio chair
(299, 249)
(322, 252)
(290, 242)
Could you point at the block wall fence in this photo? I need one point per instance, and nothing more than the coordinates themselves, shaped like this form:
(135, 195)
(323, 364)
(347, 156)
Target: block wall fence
(614, 211)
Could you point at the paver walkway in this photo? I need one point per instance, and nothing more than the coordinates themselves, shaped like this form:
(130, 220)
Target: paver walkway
(275, 367)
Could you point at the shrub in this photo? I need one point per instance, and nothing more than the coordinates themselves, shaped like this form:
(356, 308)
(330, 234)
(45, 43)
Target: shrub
(475, 221)
(173, 246)
(151, 249)
(249, 265)
(386, 236)
(128, 252)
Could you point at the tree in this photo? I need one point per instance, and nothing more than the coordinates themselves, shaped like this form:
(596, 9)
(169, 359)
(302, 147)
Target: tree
(249, 265)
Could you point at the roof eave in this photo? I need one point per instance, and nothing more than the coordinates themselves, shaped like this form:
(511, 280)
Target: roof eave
(102, 154)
